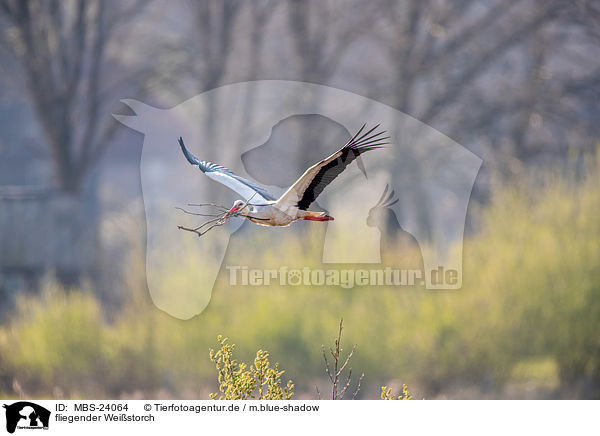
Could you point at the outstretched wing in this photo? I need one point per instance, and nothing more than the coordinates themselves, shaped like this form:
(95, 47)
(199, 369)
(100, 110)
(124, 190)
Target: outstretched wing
(308, 187)
(243, 187)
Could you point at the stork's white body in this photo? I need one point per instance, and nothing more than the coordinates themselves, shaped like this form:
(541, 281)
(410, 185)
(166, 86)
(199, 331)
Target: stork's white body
(268, 215)
(260, 207)
(271, 215)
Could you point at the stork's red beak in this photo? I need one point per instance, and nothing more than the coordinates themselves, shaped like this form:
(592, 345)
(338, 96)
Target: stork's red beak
(231, 211)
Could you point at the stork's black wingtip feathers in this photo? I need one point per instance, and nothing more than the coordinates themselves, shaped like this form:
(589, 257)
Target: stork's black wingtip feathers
(368, 141)
(189, 156)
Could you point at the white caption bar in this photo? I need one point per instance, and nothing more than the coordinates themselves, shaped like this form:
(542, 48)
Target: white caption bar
(150, 417)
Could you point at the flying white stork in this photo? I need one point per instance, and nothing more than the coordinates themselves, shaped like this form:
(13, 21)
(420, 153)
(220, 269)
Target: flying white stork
(260, 207)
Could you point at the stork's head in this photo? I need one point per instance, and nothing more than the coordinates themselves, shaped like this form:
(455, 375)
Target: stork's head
(238, 206)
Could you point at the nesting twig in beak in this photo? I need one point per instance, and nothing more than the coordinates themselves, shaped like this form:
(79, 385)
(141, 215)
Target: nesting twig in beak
(218, 219)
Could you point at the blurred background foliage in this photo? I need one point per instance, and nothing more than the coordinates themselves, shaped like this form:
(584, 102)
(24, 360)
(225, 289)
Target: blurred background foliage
(525, 323)
(517, 83)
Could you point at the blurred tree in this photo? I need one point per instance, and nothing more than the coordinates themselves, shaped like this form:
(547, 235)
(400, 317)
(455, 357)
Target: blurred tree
(74, 60)
(491, 75)
(214, 29)
(214, 26)
(322, 32)
(62, 49)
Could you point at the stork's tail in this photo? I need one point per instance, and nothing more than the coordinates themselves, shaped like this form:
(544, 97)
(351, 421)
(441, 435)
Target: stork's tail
(317, 216)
